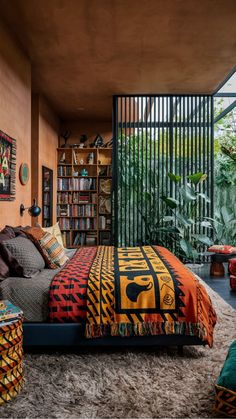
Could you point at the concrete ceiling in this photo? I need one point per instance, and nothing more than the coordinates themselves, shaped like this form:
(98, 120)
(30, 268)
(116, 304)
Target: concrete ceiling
(84, 51)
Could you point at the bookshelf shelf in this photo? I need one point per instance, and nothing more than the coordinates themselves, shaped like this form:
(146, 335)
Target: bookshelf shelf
(82, 202)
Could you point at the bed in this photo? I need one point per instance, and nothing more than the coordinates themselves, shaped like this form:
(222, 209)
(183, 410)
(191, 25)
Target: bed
(114, 296)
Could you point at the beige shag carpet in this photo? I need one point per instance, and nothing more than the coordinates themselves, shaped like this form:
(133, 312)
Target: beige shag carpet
(130, 384)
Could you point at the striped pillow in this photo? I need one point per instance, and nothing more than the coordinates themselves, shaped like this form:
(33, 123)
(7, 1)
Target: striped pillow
(53, 250)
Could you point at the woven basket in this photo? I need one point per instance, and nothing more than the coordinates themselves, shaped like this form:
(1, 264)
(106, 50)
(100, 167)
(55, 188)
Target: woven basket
(225, 402)
(11, 360)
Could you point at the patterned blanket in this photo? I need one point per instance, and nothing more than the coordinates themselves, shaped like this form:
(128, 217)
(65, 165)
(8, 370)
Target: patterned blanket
(131, 291)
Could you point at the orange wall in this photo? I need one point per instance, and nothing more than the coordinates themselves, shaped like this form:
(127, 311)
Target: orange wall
(91, 129)
(15, 119)
(45, 129)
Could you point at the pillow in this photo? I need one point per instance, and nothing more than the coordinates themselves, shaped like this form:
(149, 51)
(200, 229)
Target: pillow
(5, 234)
(23, 257)
(56, 232)
(225, 249)
(35, 234)
(53, 250)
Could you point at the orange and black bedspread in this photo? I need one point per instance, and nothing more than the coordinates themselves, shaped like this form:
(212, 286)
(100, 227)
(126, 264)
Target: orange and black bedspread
(131, 291)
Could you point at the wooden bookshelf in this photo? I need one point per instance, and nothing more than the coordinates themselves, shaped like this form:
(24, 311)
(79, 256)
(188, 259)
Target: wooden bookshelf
(84, 201)
(47, 196)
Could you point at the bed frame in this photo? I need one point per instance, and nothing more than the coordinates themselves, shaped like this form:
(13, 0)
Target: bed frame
(71, 335)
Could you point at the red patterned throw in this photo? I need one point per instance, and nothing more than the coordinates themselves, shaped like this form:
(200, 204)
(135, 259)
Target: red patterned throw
(68, 291)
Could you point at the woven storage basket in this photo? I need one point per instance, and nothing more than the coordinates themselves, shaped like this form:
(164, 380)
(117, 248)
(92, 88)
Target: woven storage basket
(11, 360)
(225, 387)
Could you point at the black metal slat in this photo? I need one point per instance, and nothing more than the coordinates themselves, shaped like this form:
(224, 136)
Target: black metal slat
(142, 183)
(155, 198)
(126, 168)
(138, 179)
(130, 189)
(150, 157)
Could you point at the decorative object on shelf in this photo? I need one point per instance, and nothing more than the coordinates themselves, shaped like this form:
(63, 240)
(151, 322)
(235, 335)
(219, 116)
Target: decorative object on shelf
(34, 210)
(65, 135)
(104, 205)
(24, 173)
(109, 144)
(84, 172)
(98, 142)
(63, 158)
(90, 158)
(7, 167)
(81, 161)
(83, 139)
(75, 174)
(105, 186)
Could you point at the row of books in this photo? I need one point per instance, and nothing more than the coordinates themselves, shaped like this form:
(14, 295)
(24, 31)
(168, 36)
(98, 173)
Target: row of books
(89, 239)
(83, 223)
(78, 223)
(46, 198)
(77, 184)
(64, 171)
(76, 198)
(8, 312)
(104, 222)
(46, 211)
(74, 210)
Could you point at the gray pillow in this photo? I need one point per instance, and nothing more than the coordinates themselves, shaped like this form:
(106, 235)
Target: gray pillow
(28, 258)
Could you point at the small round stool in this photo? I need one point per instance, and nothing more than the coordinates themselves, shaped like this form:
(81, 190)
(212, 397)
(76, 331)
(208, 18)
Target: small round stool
(11, 359)
(218, 259)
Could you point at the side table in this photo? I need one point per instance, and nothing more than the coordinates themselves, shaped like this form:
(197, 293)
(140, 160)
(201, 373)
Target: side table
(11, 358)
(218, 259)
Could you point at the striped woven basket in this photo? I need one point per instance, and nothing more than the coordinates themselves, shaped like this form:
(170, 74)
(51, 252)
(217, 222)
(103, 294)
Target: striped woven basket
(11, 360)
(225, 403)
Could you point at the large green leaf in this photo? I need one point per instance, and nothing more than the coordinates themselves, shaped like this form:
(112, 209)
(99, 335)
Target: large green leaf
(197, 177)
(206, 224)
(227, 216)
(168, 218)
(203, 239)
(187, 193)
(205, 197)
(186, 247)
(175, 178)
(187, 222)
(170, 202)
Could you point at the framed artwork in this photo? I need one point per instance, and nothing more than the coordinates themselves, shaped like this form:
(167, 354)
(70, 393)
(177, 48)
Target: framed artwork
(24, 173)
(7, 167)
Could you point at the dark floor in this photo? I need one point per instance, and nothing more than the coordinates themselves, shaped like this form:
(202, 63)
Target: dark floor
(218, 284)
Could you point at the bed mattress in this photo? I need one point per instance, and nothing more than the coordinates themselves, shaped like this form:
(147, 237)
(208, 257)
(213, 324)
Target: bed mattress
(31, 294)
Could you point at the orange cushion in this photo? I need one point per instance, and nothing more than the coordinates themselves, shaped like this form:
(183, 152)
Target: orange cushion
(221, 248)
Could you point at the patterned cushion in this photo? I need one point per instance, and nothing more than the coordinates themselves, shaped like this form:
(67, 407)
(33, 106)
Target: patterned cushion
(35, 234)
(24, 255)
(55, 231)
(220, 248)
(53, 250)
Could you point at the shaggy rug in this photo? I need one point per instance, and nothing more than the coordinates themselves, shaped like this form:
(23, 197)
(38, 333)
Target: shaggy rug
(126, 384)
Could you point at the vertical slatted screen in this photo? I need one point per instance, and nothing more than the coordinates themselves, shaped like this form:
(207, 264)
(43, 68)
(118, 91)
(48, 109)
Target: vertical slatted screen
(154, 135)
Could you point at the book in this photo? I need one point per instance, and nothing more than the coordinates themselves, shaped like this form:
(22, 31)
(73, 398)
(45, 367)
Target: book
(8, 311)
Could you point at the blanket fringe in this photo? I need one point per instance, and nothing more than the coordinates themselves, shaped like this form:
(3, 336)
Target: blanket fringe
(146, 328)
